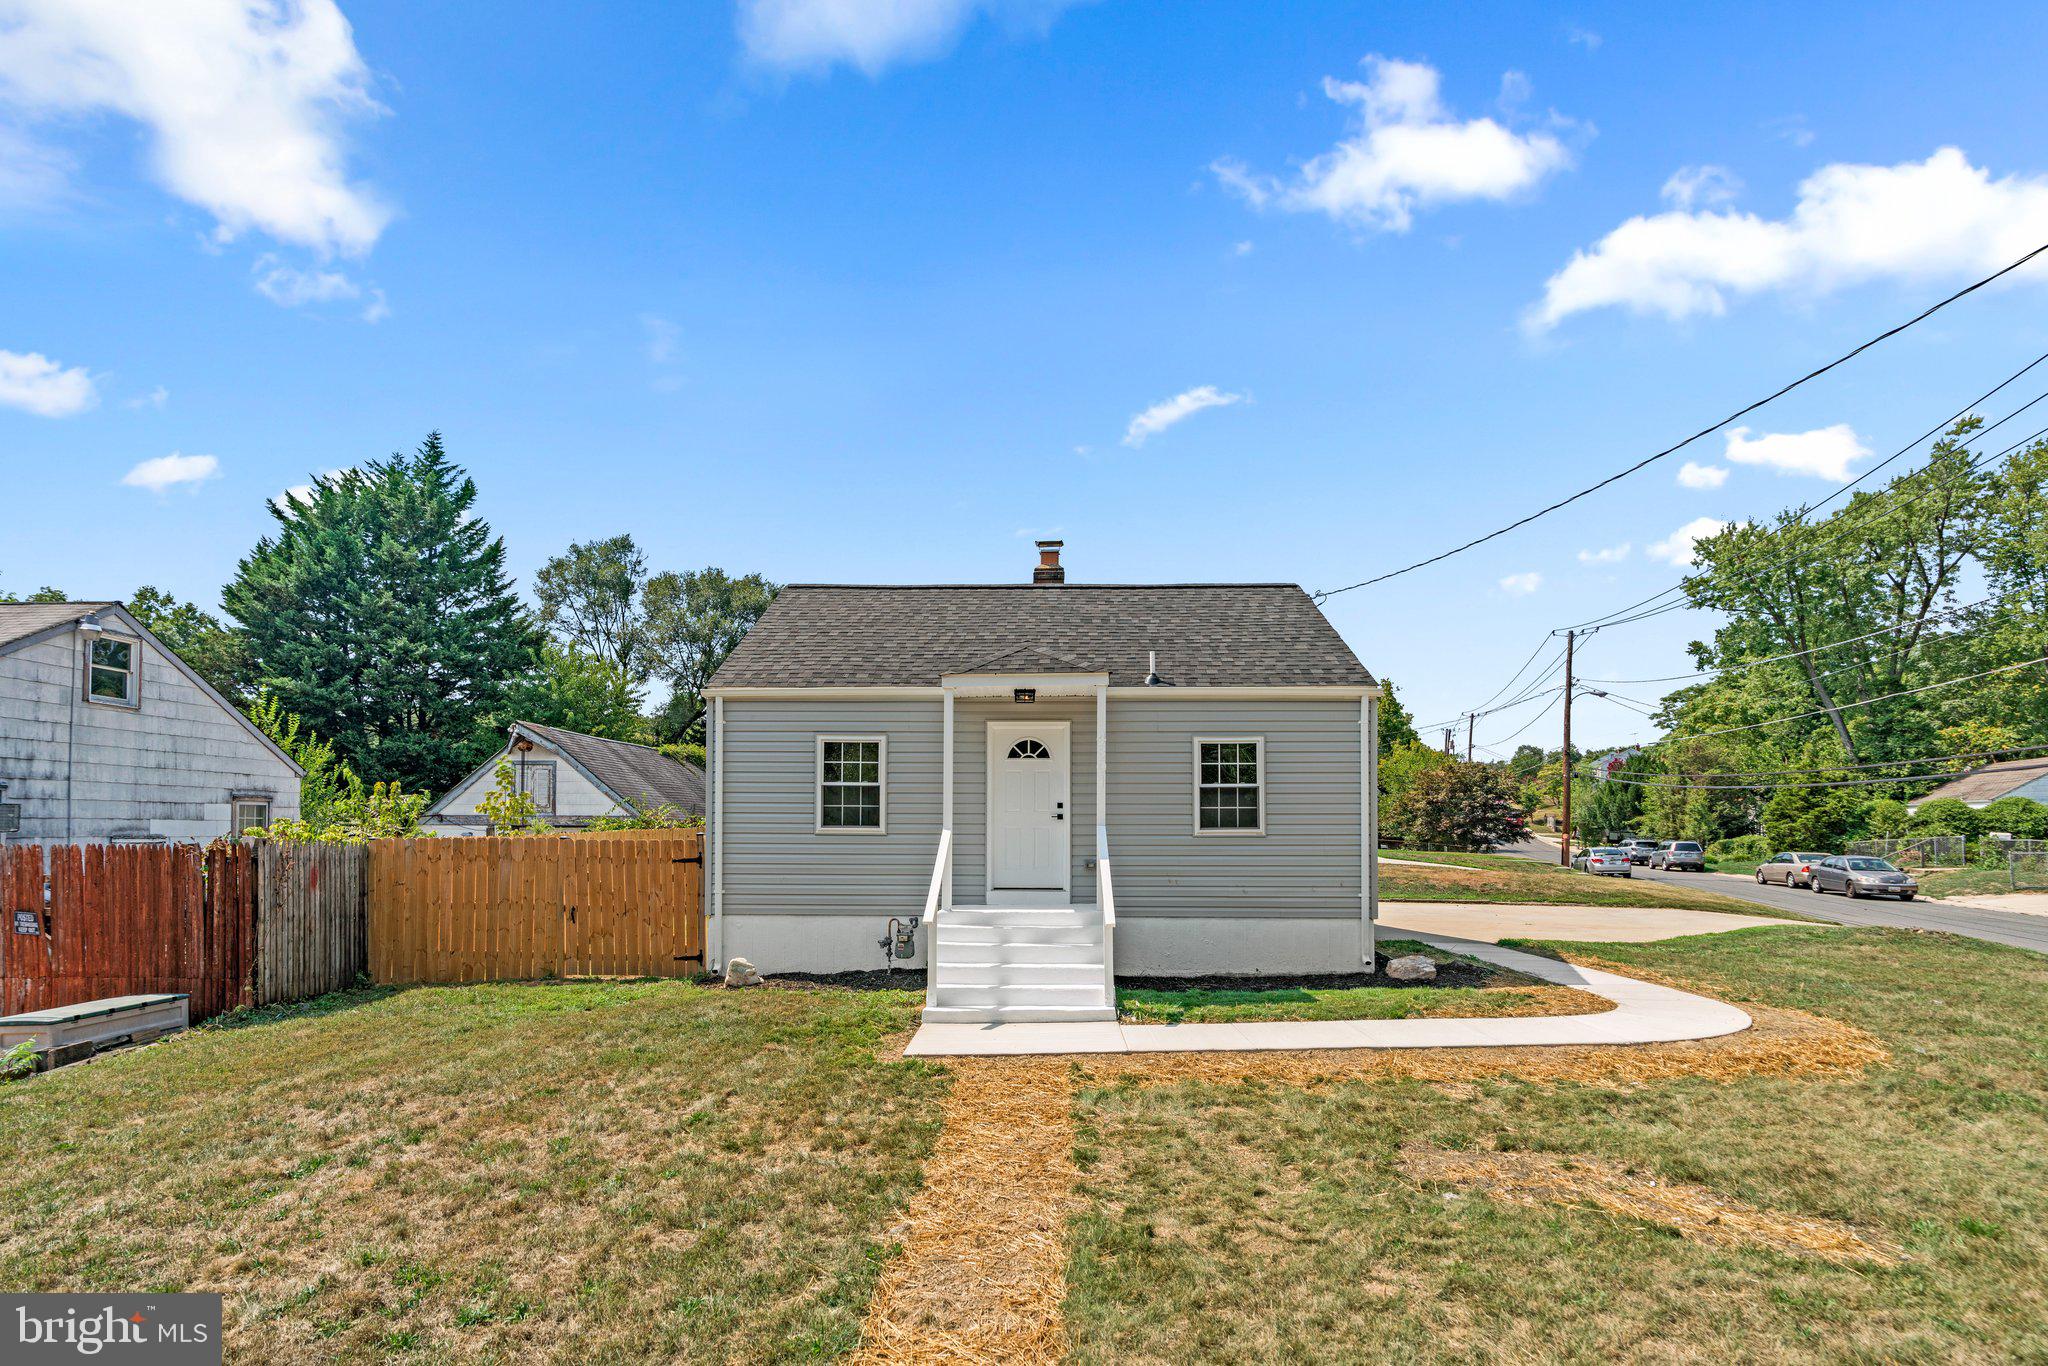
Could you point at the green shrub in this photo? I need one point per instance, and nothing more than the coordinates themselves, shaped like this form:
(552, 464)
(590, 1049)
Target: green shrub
(1946, 816)
(2017, 816)
(1742, 847)
(1886, 818)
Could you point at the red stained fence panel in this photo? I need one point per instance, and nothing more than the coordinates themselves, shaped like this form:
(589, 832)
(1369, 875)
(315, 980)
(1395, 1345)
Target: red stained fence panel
(115, 920)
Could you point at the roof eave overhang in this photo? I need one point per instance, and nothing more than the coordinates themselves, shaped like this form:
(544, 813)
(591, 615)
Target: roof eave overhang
(1000, 685)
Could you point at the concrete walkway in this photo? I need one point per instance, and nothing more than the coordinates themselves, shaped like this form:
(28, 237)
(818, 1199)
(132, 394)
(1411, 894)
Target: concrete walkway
(1643, 1013)
(1493, 921)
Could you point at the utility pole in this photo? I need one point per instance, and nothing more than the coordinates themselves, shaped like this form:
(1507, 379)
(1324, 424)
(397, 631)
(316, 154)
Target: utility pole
(1470, 717)
(1564, 848)
(1450, 742)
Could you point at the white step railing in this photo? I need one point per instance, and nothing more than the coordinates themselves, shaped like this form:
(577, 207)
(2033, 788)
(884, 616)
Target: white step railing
(1105, 893)
(932, 899)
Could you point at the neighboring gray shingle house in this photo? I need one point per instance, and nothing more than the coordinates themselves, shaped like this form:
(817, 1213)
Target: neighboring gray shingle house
(107, 735)
(1982, 786)
(573, 778)
(1076, 779)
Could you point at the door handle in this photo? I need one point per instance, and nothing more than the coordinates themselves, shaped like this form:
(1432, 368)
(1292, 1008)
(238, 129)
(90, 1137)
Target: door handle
(1059, 815)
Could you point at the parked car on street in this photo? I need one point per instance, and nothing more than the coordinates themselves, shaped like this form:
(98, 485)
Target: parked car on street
(1608, 860)
(1639, 851)
(1787, 869)
(1855, 875)
(1675, 855)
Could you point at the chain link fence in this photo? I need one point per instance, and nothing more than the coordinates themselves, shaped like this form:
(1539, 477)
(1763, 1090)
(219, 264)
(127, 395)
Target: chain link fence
(1922, 851)
(2029, 870)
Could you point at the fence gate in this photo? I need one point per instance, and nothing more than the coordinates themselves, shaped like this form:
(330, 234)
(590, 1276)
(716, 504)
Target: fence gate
(309, 919)
(510, 908)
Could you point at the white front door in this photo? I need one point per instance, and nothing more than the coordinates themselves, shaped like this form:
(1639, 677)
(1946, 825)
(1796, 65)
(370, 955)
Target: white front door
(1030, 812)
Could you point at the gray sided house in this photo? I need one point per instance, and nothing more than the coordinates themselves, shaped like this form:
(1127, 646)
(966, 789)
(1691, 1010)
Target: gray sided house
(107, 735)
(1056, 782)
(572, 778)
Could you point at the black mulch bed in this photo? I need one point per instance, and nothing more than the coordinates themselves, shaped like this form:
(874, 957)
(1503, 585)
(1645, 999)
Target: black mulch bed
(1458, 973)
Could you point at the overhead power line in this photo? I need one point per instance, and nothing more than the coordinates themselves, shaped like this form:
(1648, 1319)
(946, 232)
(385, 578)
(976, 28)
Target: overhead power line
(1850, 706)
(1797, 654)
(1772, 787)
(1977, 754)
(1702, 432)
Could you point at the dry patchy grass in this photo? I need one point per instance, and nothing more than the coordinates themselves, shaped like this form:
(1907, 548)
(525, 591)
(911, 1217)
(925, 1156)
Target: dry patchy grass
(575, 1171)
(1895, 1086)
(1504, 879)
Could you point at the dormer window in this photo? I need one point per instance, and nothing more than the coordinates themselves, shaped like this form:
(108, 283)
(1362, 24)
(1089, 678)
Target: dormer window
(110, 671)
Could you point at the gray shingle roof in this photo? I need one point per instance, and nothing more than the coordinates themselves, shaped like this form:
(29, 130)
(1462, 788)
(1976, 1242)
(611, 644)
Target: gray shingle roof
(640, 777)
(1989, 783)
(1207, 635)
(20, 620)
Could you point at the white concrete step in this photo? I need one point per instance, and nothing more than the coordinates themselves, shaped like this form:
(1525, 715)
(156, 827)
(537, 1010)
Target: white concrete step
(1017, 951)
(1020, 917)
(965, 935)
(1035, 1014)
(1024, 973)
(990, 996)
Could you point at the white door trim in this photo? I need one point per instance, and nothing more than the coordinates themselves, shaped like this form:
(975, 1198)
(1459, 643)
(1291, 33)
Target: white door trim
(1001, 735)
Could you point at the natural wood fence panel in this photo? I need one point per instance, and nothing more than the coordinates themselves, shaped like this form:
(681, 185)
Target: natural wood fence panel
(509, 908)
(309, 919)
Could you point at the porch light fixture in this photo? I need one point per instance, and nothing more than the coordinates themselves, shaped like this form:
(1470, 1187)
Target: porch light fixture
(1023, 694)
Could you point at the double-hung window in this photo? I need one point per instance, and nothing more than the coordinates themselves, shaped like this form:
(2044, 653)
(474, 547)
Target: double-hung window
(537, 780)
(1230, 786)
(110, 671)
(251, 813)
(851, 783)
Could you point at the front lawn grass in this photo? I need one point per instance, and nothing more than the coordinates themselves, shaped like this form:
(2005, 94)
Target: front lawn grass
(1510, 880)
(1257, 1221)
(1938, 882)
(1465, 989)
(578, 1171)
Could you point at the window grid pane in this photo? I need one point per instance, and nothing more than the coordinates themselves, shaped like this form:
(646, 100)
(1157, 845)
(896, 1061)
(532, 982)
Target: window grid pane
(1227, 786)
(851, 793)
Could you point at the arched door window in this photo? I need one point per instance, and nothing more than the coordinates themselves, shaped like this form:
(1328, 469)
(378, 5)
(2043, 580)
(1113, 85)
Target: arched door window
(1029, 749)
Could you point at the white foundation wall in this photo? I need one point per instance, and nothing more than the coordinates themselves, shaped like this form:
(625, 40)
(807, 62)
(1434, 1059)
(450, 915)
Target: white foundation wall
(1146, 946)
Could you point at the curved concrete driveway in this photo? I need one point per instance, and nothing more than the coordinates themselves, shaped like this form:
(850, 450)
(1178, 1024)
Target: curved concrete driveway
(1643, 1013)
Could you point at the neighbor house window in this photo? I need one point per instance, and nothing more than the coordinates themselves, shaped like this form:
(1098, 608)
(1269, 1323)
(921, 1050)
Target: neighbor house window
(850, 782)
(110, 671)
(251, 813)
(537, 780)
(1230, 786)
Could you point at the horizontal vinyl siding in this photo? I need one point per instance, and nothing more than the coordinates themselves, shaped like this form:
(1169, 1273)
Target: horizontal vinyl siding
(776, 862)
(1308, 860)
(1306, 864)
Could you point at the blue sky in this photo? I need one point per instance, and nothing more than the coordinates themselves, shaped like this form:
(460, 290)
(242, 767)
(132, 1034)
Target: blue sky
(848, 291)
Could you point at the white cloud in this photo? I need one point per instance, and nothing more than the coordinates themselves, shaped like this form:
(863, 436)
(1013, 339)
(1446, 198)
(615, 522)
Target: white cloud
(1242, 249)
(244, 101)
(31, 173)
(1691, 186)
(1693, 475)
(1824, 453)
(663, 337)
(1613, 554)
(1677, 548)
(168, 471)
(1583, 37)
(155, 398)
(1406, 153)
(378, 309)
(303, 493)
(293, 288)
(1179, 408)
(808, 35)
(1923, 219)
(1521, 585)
(36, 384)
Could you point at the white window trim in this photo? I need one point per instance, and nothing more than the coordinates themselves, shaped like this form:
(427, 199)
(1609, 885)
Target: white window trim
(818, 825)
(236, 824)
(133, 701)
(522, 767)
(1258, 743)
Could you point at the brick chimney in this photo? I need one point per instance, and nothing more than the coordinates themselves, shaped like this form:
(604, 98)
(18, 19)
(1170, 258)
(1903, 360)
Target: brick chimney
(1048, 568)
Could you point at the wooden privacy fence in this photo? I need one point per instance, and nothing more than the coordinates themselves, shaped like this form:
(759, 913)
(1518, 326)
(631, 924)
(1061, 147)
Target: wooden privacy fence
(505, 908)
(309, 920)
(232, 924)
(122, 919)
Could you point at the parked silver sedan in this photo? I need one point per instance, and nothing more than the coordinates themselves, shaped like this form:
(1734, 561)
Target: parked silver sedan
(1787, 869)
(1857, 875)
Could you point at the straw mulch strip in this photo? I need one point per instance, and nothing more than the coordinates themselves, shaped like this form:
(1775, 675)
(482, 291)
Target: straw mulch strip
(982, 1274)
(1779, 1043)
(1538, 1179)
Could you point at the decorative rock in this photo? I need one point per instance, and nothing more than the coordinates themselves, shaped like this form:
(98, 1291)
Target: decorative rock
(1413, 968)
(740, 973)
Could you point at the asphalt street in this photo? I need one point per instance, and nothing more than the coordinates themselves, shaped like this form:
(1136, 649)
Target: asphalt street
(2003, 927)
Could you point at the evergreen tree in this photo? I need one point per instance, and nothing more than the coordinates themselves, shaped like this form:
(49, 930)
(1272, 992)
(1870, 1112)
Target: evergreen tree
(380, 613)
(216, 653)
(1396, 726)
